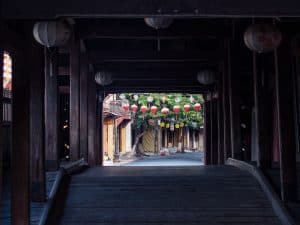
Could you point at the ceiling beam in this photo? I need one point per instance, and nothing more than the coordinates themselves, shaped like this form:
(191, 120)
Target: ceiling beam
(38, 9)
(152, 56)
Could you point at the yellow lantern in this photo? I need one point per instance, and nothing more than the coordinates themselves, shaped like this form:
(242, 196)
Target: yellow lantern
(181, 124)
(162, 124)
(177, 125)
(167, 125)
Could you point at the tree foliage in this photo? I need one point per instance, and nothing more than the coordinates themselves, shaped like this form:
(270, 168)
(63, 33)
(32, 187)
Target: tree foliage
(191, 119)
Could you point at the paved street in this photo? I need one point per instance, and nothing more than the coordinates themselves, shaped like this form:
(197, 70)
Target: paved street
(188, 158)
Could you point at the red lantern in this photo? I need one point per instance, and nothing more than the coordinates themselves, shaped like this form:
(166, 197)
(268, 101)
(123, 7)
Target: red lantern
(165, 111)
(197, 107)
(176, 109)
(153, 110)
(126, 107)
(186, 108)
(144, 109)
(134, 108)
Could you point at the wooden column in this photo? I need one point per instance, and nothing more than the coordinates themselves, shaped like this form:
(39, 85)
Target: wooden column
(51, 111)
(286, 121)
(20, 143)
(234, 106)
(226, 108)
(99, 126)
(214, 129)
(37, 149)
(83, 107)
(207, 130)
(262, 112)
(220, 125)
(1, 123)
(92, 131)
(74, 99)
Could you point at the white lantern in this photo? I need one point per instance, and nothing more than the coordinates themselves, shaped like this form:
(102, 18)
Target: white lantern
(158, 22)
(206, 77)
(103, 78)
(52, 33)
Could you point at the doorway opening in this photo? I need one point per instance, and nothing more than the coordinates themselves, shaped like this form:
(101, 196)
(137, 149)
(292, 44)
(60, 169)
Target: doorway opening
(153, 129)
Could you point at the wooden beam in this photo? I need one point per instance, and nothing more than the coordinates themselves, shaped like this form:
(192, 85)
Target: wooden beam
(51, 111)
(83, 107)
(37, 148)
(92, 132)
(33, 9)
(20, 160)
(141, 56)
(74, 99)
(286, 121)
(207, 129)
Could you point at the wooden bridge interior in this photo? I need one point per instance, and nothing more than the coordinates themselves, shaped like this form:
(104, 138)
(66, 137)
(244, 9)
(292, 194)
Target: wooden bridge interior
(252, 112)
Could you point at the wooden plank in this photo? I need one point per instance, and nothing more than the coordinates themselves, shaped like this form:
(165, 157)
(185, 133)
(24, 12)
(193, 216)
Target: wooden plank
(20, 142)
(286, 121)
(83, 107)
(37, 149)
(207, 130)
(51, 111)
(74, 99)
(33, 9)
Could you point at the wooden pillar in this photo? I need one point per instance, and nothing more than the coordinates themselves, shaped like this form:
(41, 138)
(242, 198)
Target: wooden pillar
(234, 106)
(225, 103)
(83, 107)
(51, 110)
(1, 124)
(262, 113)
(214, 129)
(286, 121)
(74, 99)
(20, 143)
(37, 149)
(220, 125)
(207, 130)
(92, 131)
(100, 123)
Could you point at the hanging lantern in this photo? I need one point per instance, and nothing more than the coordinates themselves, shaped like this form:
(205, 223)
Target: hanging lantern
(262, 37)
(144, 109)
(181, 124)
(126, 107)
(177, 126)
(134, 108)
(52, 33)
(158, 22)
(103, 78)
(165, 111)
(163, 99)
(167, 125)
(153, 110)
(197, 107)
(162, 124)
(206, 77)
(186, 108)
(176, 109)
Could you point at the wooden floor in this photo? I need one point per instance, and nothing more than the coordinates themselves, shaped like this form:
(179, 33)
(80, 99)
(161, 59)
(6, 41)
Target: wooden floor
(175, 195)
